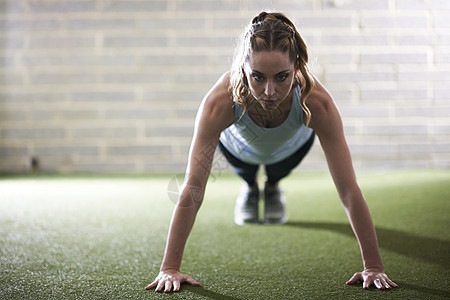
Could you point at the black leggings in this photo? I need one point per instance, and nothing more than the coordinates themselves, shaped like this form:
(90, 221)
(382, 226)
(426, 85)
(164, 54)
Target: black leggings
(275, 172)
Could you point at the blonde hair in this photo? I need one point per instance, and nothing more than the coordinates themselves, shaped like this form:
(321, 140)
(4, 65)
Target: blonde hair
(269, 32)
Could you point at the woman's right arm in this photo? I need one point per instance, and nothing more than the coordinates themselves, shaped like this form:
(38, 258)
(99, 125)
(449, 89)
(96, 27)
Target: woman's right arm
(214, 115)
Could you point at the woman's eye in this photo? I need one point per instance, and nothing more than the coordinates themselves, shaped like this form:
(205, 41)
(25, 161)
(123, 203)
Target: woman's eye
(282, 77)
(258, 77)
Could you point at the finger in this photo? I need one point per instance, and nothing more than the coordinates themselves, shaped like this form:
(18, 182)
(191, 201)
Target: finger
(191, 281)
(355, 278)
(378, 285)
(168, 286)
(176, 286)
(160, 286)
(366, 284)
(390, 282)
(384, 283)
(151, 285)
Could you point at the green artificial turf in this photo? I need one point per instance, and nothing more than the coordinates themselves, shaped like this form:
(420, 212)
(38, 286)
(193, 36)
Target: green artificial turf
(103, 238)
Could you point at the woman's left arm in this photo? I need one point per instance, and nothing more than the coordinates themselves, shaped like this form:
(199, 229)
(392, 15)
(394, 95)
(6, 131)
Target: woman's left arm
(327, 123)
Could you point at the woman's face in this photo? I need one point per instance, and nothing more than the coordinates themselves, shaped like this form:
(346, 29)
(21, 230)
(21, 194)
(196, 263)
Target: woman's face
(270, 76)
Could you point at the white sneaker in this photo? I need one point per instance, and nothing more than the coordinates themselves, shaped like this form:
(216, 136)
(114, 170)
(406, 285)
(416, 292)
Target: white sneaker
(246, 208)
(274, 206)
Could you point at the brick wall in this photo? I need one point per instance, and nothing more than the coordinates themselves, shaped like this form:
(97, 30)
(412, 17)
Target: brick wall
(113, 86)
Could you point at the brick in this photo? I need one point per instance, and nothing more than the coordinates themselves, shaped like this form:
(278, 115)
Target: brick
(287, 6)
(189, 113)
(7, 60)
(352, 39)
(136, 77)
(12, 7)
(441, 20)
(442, 147)
(103, 96)
(11, 42)
(442, 93)
(421, 74)
(135, 6)
(11, 78)
(415, 148)
(12, 25)
(61, 6)
(31, 97)
(192, 78)
(41, 60)
(138, 114)
(58, 78)
(109, 167)
(392, 94)
(394, 163)
(135, 41)
(322, 20)
(235, 23)
(394, 130)
(423, 111)
(32, 133)
(359, 75)
(163, 150)
(207, 5)
(415, 39)
(205, 41)
(442, 130)
(395, 58)
(20, 115)
(102, 24)
(16, 165)
(442, 56)
(11, 151)
(161, 166)
(174, 95)
(62, 42)
(173, 60)
(101, 60)
(105, 132)
(360, 111)
(70, 150)
(365, 148)
(182, 131)
(355, 5)
(166, 23)
(339, 93)
(222, 61)
(422, 5)
(412, 20)
(79, 115)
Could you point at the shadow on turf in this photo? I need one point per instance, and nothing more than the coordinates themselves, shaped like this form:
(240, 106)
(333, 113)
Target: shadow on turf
(201, 291)
(428, 249)
(423, 290)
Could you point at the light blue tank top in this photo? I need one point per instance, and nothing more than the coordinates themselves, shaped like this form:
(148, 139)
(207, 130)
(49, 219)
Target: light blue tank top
(257, 145)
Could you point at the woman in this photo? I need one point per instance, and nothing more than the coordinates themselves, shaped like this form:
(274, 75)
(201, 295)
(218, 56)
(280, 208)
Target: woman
(267, 111)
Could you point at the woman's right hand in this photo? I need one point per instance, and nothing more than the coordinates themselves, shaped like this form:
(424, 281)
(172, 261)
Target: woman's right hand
(171, 280)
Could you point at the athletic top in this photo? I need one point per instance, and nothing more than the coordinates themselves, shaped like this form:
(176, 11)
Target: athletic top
(257, 145)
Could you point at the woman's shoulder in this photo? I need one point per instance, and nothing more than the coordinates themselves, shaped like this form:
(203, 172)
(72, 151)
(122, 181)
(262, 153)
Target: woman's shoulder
(320, 100)
(218, 102)
(322, 107)
(220, 94)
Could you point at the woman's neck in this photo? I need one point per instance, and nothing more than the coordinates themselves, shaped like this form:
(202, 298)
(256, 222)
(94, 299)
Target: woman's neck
(269, 118)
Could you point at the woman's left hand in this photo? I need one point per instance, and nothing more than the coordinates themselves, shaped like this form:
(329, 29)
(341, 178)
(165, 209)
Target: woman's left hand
(369, 277)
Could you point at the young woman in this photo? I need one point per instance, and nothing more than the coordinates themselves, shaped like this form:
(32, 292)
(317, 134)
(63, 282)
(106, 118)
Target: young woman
(267, 111)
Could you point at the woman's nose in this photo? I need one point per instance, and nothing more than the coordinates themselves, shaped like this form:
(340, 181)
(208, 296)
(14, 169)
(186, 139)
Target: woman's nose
(269, 89)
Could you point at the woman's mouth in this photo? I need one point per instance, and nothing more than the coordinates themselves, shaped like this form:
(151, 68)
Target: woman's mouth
(267, 101)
